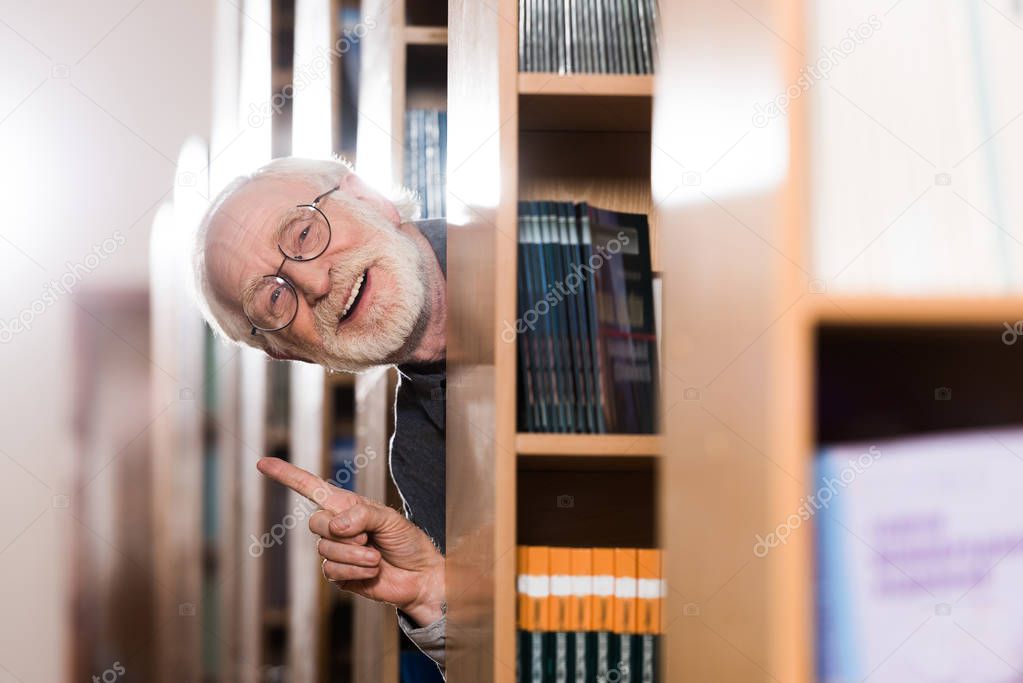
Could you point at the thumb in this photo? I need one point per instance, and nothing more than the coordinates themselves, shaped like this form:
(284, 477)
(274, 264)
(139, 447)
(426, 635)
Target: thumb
(362, 518)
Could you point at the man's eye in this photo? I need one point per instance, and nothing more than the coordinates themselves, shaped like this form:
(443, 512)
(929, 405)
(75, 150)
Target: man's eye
(302, 235)
(275, 295)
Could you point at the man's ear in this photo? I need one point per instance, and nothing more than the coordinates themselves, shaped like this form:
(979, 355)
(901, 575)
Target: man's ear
(356, 187)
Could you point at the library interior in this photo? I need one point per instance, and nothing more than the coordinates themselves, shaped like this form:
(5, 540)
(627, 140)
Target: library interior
(709, 270)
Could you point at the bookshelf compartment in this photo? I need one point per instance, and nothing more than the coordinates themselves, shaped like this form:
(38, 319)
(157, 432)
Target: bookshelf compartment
(598, 503)
(426, 76)
(883, 380)
(426, 13)
(585, 112)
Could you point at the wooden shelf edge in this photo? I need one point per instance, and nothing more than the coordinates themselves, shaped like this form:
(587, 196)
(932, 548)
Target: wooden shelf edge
(587, 85)
(922, 310)
(426, 35)
(592, 445)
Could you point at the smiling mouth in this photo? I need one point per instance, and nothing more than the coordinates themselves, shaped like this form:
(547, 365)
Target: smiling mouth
(354, 298)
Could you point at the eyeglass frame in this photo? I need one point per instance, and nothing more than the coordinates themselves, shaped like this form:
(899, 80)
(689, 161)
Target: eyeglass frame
(283, 279)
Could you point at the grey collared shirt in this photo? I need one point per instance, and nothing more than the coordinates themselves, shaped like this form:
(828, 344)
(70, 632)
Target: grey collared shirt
(417, 458)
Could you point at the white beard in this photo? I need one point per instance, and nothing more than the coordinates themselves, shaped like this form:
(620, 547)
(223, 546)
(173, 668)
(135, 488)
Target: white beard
(386, 323)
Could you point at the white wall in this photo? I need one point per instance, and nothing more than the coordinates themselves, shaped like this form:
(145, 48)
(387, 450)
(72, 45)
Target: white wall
(98, 98)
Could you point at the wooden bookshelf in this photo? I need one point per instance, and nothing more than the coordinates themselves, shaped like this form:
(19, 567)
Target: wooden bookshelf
(515, 137)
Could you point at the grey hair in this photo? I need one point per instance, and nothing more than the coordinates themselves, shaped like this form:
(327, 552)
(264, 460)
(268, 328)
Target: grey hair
(325, 172)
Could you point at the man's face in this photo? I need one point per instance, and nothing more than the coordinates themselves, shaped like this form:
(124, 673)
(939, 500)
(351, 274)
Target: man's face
(388, 314)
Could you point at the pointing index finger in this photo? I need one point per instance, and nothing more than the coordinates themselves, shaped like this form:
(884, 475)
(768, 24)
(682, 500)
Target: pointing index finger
(302, 482)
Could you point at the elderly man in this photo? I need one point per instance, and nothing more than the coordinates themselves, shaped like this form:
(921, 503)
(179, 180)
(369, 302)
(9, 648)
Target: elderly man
(303, 260)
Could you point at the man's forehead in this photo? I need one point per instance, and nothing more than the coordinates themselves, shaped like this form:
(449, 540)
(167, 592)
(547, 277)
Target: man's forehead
(245, 219)
(259, 199)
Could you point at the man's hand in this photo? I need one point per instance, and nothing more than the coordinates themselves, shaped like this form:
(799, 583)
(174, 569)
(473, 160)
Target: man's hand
(368, 548)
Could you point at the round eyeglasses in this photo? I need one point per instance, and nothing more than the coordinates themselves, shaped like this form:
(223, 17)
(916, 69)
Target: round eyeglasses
(304, 234)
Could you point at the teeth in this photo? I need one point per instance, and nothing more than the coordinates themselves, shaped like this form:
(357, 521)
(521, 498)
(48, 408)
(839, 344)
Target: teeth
(353, 295)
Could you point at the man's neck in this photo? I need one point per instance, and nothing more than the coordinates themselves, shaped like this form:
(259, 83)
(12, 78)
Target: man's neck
(432, 345)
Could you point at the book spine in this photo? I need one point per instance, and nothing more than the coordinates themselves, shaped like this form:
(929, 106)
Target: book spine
(643, 26)
(560, 612)
(539, 607)
(570, 292)
(597, 376)
(625, 611)
(580, 607)
(603, 611)
(649, 591)
(629, 30)
(536, 329)
(526, 390)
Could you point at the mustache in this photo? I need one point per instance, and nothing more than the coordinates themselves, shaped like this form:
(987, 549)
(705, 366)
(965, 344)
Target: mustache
(342, 276)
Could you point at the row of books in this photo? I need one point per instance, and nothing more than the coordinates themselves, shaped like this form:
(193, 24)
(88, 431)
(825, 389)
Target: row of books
(589, 614)
(588, 36)
(587, 339)
(426, 143)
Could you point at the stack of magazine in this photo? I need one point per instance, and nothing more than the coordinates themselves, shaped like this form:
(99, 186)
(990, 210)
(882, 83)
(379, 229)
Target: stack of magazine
(588, 36)
(426, 133)
(587, 340)
(589, 614)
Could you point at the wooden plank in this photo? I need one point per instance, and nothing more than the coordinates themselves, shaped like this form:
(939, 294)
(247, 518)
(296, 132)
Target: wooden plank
(230, 452)
(482, 247)
(375, 650)
(734, 366)
(306, 595)
(589, 85)
(252, 492)
(617, 445)
(884, 310)
(426, 35)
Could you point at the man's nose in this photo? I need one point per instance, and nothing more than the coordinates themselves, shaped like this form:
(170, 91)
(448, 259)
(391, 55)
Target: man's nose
(311, 279)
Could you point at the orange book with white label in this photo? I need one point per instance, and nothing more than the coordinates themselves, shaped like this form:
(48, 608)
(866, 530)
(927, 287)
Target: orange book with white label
(603, 589)
(648, 591)
(625, 590)
(581, 601)
(538, 588)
